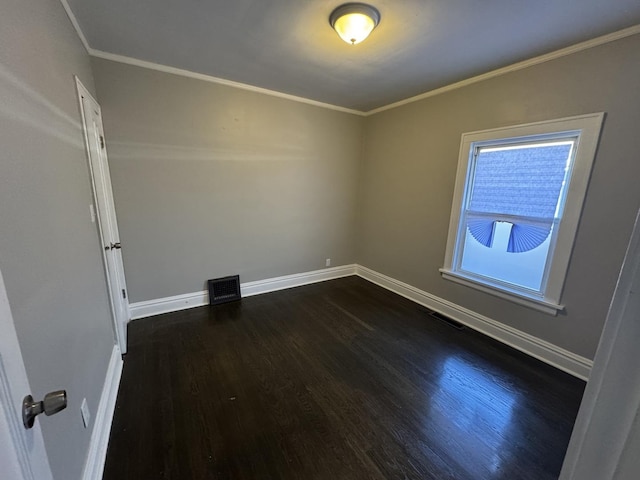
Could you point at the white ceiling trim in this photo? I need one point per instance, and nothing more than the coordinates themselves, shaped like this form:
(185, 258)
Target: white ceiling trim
(76, 25)
(594, 42)
(221, 81)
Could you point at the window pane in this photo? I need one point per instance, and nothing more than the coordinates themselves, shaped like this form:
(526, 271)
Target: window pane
(524, 269)
(513, 202)
(518, 197)
(520, 180)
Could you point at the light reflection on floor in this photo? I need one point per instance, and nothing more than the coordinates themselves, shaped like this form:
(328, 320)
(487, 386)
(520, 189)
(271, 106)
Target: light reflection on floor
(469, 403)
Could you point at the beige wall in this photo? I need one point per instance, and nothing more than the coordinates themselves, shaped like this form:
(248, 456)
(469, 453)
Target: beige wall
(212, 181)
(50, 254)
(410, 162)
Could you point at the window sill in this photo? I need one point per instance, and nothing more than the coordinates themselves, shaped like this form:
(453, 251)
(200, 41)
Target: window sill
(541, 305)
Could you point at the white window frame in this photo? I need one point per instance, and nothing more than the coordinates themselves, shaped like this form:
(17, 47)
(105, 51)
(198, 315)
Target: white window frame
(587, 128)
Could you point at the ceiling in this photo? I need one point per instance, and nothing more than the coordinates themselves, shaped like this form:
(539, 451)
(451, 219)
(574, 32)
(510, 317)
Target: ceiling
(288, 46)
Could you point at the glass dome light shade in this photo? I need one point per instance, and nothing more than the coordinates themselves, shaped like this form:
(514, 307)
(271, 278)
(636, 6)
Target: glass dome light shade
(354, 21)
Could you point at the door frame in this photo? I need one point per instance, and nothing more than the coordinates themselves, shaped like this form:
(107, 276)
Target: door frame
(604, 427)
(118, 326)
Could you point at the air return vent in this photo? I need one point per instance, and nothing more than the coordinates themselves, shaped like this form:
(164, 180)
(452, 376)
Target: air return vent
(442, 318)
(226, 289)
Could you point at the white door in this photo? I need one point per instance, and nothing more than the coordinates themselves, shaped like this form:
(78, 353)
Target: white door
(106, 212)
(22, 453)
(606, 436)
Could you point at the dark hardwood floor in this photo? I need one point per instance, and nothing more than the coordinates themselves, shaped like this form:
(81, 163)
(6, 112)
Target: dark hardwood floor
(337, 380)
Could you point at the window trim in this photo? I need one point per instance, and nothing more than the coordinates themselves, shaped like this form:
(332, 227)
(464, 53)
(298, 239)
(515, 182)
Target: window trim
(588, 128)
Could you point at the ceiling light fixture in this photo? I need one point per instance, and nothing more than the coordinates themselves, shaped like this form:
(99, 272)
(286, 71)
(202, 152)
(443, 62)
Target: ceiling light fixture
(354, 21)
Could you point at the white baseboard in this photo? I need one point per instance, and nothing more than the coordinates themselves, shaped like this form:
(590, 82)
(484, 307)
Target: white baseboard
(553, 355)
(99, 442)
(158, 306)
(288, 281)
(198, 299)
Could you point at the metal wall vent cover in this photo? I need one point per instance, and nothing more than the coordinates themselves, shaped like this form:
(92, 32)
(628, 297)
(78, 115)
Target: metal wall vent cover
(226, 289)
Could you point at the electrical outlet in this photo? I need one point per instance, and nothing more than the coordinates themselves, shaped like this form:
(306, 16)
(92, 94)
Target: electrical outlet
(327, 263)
(92, 212)
(84, 410)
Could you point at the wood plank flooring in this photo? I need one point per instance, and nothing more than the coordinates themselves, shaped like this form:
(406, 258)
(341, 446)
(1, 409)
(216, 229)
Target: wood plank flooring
(336, 380)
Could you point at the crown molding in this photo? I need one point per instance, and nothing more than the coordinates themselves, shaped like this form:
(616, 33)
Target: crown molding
(220, 81)
(578, 47)
(76, 25)
(563, 52)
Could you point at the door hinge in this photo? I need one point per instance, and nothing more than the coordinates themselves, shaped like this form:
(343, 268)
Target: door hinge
(124, 294)
(101, 142)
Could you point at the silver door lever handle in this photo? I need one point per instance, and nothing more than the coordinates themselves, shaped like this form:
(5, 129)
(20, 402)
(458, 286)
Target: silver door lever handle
(53, 403)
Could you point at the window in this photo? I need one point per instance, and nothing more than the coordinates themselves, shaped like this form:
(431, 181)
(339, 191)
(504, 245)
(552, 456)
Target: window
(518, 197)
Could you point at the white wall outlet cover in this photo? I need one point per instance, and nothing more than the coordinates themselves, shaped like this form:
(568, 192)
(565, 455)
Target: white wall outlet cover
(86, 415)
(327, 263)
(92, 211)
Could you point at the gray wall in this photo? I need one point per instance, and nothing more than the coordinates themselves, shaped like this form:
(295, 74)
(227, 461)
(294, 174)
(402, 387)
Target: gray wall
(49, 249)
(629, 465)
(410, 162)
(212, 181)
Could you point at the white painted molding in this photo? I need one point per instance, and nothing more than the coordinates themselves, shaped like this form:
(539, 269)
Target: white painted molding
(606, 433)
(158, 306)
(563, 52)
(220, 81)
(99, 442)
(76, 25)
(533, 346)
(594, 42)
(288, 281)
(198, 299)
(585, 131)
(550, 308)
(542, 350)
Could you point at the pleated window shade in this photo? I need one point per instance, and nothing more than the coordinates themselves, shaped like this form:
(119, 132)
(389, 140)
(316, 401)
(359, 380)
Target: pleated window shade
(519, 184)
